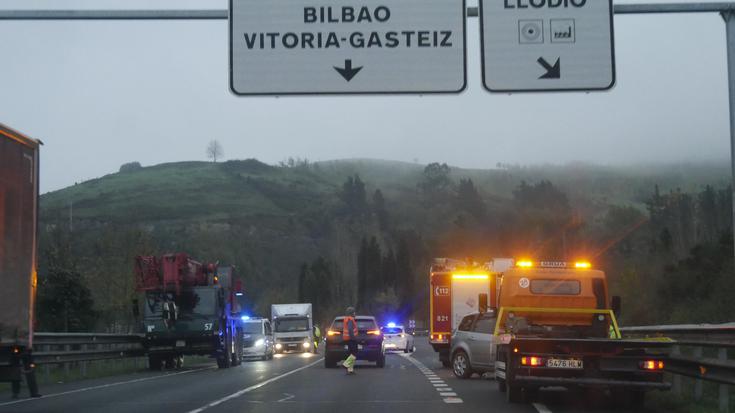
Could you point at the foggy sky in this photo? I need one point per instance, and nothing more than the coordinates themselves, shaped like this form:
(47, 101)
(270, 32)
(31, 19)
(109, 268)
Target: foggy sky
(103, 93)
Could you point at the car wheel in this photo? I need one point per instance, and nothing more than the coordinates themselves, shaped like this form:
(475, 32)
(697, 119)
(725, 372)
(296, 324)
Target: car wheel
(329, 363)
(461, 366)
(501, 385)
(381, 361)
(179, 362)
(154, 363)
(169, 362)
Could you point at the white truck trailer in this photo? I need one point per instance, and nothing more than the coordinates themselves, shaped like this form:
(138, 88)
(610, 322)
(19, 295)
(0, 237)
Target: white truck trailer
(292, 327)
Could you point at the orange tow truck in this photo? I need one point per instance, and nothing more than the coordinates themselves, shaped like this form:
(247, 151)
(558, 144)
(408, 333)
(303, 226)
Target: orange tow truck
(556, 327)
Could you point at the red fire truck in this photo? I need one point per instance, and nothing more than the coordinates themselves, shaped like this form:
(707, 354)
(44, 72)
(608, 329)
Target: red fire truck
(458, 288)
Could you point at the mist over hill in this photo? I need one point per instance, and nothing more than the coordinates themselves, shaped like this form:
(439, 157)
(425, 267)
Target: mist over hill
(368, 228)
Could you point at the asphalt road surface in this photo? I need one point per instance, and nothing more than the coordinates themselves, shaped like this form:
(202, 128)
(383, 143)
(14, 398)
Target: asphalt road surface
(299, 383)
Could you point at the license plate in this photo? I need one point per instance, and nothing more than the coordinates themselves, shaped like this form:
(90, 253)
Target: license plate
(180, 343)
(359, 347)
(564, 363)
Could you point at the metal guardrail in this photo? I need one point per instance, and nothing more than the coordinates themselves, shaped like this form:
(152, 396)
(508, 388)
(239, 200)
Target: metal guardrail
(697, 337)
(59, 348)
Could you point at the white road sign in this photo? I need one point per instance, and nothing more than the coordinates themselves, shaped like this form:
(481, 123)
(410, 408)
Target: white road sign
(283, 47)
(547, 45)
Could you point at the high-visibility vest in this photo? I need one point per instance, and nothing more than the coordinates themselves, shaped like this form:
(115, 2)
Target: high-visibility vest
(345, 331)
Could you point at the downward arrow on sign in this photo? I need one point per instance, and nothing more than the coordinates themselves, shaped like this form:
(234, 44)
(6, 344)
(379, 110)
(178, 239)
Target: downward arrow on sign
(552, 72)
(348, 72)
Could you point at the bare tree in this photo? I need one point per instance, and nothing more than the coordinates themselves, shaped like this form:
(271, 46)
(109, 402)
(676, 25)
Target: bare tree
(214, 150)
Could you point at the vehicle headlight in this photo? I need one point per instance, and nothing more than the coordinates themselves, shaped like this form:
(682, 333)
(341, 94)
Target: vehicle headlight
(259, 342)
(278, 346)
(307, 344)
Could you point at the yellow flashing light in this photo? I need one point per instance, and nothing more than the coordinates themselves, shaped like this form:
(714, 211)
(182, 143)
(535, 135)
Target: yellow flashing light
(524, 264)
(583, 265)
(470, 276)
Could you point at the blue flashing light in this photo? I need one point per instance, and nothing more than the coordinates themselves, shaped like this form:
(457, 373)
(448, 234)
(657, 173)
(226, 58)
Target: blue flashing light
(391, 324)
(245, 318)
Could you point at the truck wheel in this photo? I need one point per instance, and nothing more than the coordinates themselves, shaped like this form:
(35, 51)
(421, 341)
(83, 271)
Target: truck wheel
(501, 385)
(461, 366)
(637, 399)
(329, 363)
(154, 363)
(170, 362)
(513, 393)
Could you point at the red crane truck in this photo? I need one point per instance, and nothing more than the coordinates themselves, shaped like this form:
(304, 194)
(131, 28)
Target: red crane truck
(189, 308)
(18, 230)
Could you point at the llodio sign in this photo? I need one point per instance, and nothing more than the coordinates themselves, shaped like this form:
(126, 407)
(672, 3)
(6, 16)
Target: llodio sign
(547, 45)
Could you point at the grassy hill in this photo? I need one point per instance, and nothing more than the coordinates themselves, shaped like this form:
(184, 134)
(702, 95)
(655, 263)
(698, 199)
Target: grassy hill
(269, 220)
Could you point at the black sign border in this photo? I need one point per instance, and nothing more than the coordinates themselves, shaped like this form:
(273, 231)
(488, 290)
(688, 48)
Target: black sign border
(588, 89)
(459, 91)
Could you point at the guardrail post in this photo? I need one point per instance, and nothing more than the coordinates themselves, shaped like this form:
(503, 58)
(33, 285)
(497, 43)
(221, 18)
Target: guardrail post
(47, 367)
(676, 379)
(724, 388)
(698, 384)
(67, 348)
(83, 365)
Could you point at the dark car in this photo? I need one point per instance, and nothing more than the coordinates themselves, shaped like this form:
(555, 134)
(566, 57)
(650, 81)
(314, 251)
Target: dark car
(369, 342)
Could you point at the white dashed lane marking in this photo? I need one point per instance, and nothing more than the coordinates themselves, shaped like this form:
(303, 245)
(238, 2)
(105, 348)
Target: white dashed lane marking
(442, 388)
(541, 408)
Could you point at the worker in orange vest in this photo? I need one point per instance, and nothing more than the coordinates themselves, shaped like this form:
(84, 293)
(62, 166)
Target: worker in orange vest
(349, 337)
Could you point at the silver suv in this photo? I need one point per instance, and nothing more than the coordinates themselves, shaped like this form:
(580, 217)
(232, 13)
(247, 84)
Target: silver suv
(473, 345)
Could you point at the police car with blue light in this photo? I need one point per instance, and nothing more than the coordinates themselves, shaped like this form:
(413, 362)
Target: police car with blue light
(395, 338)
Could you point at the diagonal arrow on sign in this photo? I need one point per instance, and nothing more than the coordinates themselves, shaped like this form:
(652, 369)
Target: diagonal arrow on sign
(552, 72)
(348, 72)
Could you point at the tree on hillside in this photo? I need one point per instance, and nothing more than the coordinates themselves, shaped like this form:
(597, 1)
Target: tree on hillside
(214, 150)
(369, 273)
(435, 179)
(130, 167)
(353, 195)
(379, 208)
(405, 287)
(469, 200)
(543, 195)
(303, 275)
(64, 302)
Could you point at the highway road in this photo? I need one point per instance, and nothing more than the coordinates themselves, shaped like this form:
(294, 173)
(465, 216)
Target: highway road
(297, 383)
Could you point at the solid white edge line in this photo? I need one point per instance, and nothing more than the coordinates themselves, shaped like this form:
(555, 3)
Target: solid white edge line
(102, 386)
(253, 387)
(541, 408)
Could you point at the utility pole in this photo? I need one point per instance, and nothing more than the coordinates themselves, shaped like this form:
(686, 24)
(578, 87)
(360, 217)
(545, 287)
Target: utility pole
(729, 17)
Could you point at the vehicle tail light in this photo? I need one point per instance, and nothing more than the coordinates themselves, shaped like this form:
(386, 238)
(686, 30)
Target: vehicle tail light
(652, 365)
(440, 337)
(374, 332)
(532, 361)
(332, 333)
